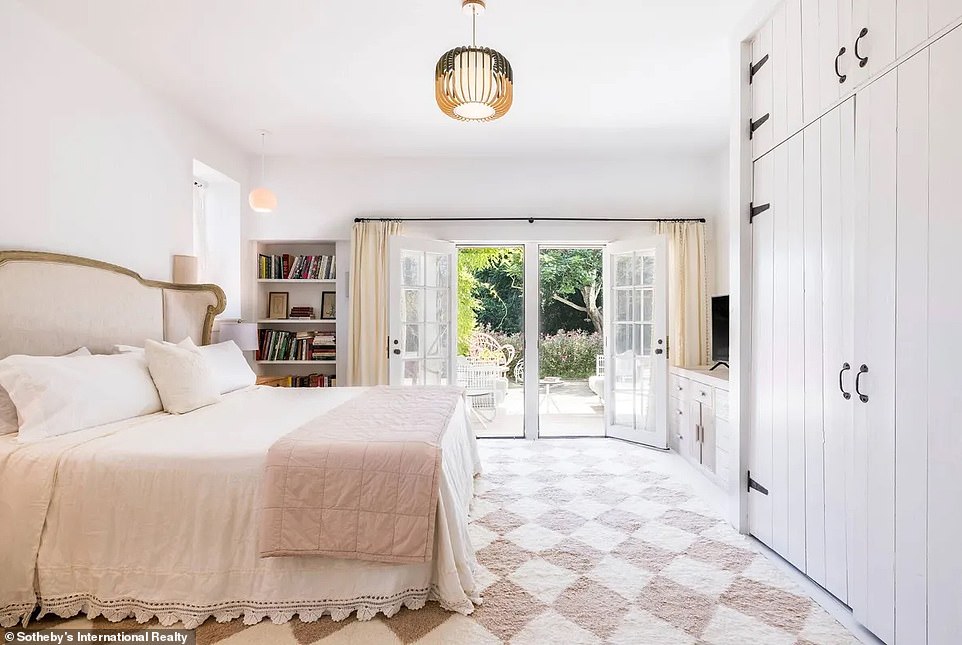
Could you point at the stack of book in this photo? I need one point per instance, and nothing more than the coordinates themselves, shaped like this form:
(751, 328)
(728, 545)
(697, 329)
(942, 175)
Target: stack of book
(302, 312)
(314, 380)
(296, 267)
(324, 347)
(282, 345)
(311, 380)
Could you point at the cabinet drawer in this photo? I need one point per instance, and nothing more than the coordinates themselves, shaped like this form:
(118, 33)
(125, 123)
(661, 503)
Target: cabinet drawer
(702, 393)
(678, 387)
(721, 404)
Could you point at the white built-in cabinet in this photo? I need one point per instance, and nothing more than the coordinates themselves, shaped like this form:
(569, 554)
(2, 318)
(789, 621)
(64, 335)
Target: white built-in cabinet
(812, 53)
(698, 418)
(855, 450)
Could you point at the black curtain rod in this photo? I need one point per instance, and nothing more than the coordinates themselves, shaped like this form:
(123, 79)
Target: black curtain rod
(530, 220)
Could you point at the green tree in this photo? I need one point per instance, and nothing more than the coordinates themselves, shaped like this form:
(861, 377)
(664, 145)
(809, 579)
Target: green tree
(566, 272)
(571, 277)
(472, 262)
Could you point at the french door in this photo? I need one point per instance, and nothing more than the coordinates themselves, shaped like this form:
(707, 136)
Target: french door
(422, 311)
(422, 319)
(636, 351)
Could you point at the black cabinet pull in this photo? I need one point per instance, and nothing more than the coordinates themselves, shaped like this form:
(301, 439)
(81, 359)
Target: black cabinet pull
(841, 76)
(862, 60)
(858, 377)
(845, 395)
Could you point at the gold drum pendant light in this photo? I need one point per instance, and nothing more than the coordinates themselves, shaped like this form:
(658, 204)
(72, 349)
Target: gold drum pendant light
(474, 83)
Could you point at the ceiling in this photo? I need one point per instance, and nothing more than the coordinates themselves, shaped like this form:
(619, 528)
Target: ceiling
(355, 78)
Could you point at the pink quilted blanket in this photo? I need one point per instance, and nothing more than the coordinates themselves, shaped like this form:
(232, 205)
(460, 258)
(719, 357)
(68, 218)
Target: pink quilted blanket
(362, 481)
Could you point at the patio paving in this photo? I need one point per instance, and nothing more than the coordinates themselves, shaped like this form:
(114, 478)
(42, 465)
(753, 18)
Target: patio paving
(572, 411)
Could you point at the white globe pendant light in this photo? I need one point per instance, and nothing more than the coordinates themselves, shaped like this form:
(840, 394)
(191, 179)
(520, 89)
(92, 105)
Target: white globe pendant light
(262, 199)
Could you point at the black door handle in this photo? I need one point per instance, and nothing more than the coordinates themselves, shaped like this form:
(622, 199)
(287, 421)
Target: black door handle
(862, 60)
(841, 76)
(845, 395)
(659, 351)
(858, 377)
(397, 352)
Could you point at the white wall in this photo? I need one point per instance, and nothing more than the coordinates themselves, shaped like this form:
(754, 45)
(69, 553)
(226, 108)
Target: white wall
(91, 163)
(319, 199)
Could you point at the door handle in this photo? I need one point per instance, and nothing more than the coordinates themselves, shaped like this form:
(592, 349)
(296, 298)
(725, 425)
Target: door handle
(862, 60)
(659, 350)
(845, 395)
(397, 352)
(841, 76)
(858, 377)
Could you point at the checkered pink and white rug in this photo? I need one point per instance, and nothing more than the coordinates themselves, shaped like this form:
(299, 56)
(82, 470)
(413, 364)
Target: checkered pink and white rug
(586, 541)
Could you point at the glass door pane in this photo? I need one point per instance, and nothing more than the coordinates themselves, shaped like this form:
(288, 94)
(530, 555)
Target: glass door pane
(421, 311)
(490, 342)
(637, 380)
(571, 357)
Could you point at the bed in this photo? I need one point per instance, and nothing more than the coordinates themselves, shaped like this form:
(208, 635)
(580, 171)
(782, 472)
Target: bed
(156, 516)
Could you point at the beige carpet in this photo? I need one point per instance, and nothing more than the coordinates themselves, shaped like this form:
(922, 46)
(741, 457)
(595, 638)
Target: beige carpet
(585, 541)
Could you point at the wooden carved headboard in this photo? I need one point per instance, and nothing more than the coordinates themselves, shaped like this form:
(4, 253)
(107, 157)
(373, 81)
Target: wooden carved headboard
(51, 304)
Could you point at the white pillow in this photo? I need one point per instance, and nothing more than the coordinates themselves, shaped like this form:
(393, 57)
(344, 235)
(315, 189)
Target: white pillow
(182, 375)
(54, 397)
(8, 411)
(231, 370)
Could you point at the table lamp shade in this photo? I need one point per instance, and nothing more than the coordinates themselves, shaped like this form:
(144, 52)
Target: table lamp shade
(244, 334)
(186, 269)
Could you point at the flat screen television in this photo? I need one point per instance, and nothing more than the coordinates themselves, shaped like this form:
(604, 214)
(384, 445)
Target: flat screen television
(719, 330)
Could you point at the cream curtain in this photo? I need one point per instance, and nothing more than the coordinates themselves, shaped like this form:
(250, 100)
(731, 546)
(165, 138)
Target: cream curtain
(688, 335)
(368, 325)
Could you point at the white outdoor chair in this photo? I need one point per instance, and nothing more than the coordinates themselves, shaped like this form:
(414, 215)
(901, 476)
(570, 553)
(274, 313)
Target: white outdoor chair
(485, 387)
(485, 347)
(596, 383)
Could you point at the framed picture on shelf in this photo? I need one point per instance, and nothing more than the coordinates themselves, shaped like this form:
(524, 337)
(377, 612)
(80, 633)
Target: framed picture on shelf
(328, 305)
(277, 305)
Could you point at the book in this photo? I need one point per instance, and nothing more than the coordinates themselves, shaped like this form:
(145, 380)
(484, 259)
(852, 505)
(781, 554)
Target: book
(283, 345)
(296, 267)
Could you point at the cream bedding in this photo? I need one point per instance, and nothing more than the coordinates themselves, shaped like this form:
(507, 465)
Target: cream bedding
(157, 516)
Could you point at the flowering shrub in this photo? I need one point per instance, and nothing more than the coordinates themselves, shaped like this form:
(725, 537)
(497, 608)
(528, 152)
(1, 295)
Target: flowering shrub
(566, 354)
(570, 354)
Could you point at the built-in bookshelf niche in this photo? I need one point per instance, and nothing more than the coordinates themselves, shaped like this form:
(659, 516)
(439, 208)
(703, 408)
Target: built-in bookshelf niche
(300, 290)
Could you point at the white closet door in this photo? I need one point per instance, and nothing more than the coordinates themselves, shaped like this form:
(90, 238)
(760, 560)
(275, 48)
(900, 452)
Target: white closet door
(812, 62)
(872, 37)
(872, 594)
(943, 13)
(911, 350)
(795, 354)
(912, 24)
(760, 454)
(837, 161)
(837, 67)
(787, 489)
(779, 65)
(945, 357)
(762, 92)
(793, 66)
(813, 416)
(778, 216)
(828, 46)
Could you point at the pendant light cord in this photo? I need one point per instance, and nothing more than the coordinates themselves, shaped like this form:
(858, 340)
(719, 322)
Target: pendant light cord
(263, 149)
(474, 26)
